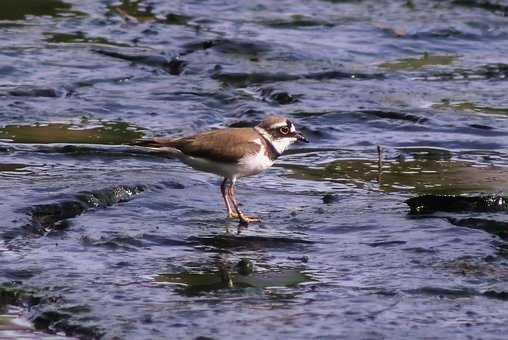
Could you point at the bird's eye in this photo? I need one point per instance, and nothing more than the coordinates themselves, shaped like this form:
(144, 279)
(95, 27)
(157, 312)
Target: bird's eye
(284, 130)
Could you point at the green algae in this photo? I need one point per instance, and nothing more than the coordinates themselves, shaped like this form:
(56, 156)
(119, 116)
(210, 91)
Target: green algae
(471, 107)
(139, 12)
(11, 166)
(19, 9)
(77, 37)
(194, 283)
(416, 63)
(103, 133)
(296, 21)
(427, 171)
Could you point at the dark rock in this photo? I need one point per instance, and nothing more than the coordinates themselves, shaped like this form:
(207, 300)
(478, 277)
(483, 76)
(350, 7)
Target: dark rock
(32, 91)
(330, 198)
(250, 242)
(11, 295)
(453, 203)
(229, 46)
(245, 267)
(497, 71)
(493, 6)
(51, 216)
(396, 115)
(386, 243)
(45, 319)
(498, 228)
(280, 97)
(303, 258)
(51, 320)
(481, 127)
(176, 19)
(496, 295)
(175, 66)
(244, 79)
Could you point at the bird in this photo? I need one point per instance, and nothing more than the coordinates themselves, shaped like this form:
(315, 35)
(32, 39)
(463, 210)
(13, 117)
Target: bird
(232, 153)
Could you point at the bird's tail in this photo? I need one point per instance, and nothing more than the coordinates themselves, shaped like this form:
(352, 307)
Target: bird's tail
(154, 143)
(143, 142)
(166, 146)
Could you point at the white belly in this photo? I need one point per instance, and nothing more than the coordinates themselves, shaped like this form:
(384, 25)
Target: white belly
(247, 166)
(254, 164)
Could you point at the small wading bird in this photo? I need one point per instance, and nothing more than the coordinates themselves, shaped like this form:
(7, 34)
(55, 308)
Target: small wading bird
(232, 153)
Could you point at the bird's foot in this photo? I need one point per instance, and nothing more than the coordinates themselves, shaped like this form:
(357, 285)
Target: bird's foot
(232, 215)
(245, 220)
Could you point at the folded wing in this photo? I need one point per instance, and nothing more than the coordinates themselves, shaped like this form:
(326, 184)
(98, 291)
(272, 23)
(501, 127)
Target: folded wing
(224, 145)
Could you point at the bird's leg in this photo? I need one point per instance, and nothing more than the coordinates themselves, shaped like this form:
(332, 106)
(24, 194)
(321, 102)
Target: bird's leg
(225, 192)
(243, 219)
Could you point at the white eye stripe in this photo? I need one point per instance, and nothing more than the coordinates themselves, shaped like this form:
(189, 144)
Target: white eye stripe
(280, 144)
(281, 125)
(277, 125)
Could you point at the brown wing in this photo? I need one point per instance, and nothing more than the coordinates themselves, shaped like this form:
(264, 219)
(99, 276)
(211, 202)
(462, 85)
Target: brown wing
(158, 142)
(224, 145)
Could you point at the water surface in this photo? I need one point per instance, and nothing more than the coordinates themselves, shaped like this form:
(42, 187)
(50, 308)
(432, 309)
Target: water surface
(98, 239)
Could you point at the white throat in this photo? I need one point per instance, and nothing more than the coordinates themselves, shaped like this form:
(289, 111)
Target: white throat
(280, 144)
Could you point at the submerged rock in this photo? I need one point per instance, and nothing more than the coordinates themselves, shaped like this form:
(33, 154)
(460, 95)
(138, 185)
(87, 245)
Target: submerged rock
(455, 203)
(242, 79)
(229, 46)
(330, 198)
(494, 6)
(424, 171)
(245, 267)
(395, 115)
(198, 283)
(30, 91)
(173, 66)
(44, 313)
(415, 63)
(19, 10)
(271, 95)
(105, 132)
(249, 242)
(498, 228)
(11, 295)
(52, 216)
(494, 71)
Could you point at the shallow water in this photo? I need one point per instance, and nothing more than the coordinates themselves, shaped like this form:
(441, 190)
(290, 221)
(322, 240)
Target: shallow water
(99, 239)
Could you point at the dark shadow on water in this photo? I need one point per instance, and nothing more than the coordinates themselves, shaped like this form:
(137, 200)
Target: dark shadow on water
(228, 241)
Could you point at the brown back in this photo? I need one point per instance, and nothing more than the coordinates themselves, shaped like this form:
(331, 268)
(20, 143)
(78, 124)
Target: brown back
(225, 145)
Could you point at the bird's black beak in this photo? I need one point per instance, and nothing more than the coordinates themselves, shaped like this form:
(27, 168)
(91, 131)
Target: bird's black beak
(300, 137)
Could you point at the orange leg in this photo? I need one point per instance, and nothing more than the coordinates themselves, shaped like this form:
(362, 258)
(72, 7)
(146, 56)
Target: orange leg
(224, 189)
(243, 219)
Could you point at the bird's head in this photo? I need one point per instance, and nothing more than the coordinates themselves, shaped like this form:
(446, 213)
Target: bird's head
(280, 132)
